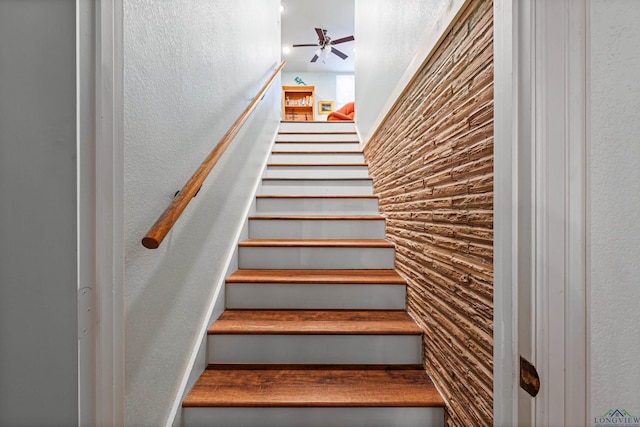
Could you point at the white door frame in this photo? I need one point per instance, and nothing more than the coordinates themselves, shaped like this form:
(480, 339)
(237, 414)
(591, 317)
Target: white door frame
(540, 210)
(99, 68)
(562, 328)
(110, 213)
(509, 102)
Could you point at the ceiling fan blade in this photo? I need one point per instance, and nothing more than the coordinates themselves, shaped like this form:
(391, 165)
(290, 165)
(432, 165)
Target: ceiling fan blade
(343, 40)
(337, 52)
(303, 45)
(321, 36)
(315, 58)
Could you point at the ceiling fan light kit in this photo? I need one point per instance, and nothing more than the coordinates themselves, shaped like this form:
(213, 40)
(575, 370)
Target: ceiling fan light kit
(325, 44)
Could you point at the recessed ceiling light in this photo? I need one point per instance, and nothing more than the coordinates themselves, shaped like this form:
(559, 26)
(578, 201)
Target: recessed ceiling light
(286, 50)
(282, 7)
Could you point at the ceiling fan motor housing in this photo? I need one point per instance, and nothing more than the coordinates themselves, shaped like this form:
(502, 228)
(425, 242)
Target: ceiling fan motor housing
(325, 42)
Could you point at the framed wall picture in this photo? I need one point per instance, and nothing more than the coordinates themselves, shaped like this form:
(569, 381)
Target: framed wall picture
(325, 107)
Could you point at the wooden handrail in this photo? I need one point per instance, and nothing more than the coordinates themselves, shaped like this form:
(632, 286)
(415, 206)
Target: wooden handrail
(163, 225)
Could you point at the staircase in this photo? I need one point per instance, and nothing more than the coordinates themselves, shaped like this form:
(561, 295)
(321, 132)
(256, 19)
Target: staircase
(315, 331)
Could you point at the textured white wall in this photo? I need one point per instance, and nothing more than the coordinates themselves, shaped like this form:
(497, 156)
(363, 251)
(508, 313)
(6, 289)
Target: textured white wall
(388, 34)
(615, 205)
(38, 251)
(190, 69)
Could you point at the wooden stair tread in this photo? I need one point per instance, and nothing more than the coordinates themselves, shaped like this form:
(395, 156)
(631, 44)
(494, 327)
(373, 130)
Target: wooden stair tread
(315, 322)
(320, 217)
(317, 243)
(313, 387)
(317, 276)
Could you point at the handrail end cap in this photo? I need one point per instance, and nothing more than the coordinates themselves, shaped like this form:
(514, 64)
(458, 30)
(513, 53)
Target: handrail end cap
(150, 243)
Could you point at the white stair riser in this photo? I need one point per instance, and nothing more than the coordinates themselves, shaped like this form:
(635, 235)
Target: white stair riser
(314, 417)
(322, 258)
(327, 127)
(316, 206)
(314, 296)
(315, 229)
(316, 147)
(304, 187)
(310, 171)
(317, 137)
(321, 349)
(317, 158)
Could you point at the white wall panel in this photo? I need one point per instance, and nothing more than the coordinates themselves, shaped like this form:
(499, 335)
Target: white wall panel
(614, 196)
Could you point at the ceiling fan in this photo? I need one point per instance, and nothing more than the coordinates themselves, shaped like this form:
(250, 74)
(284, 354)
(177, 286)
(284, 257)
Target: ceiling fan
(325, 45)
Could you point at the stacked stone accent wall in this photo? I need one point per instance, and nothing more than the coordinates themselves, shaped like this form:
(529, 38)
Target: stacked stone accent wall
(432, 166)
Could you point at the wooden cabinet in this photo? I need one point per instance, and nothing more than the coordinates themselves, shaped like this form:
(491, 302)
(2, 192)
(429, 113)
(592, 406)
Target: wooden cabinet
(298, 103)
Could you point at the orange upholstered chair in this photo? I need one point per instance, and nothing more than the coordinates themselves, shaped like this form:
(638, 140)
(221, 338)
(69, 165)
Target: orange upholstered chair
(347, 112)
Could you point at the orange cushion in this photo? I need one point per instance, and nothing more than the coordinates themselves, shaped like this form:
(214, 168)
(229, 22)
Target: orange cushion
(347, 108)
(346, 112)
(339, 116)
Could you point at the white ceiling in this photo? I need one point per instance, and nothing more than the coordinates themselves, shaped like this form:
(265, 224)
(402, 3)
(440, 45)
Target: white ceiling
(299, 19)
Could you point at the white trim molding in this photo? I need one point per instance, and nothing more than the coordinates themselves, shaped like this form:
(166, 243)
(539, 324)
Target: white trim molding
(109, 200)
(561, 175)
(540, 289)
(512, 103)
(86, 208)
(100, 106)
